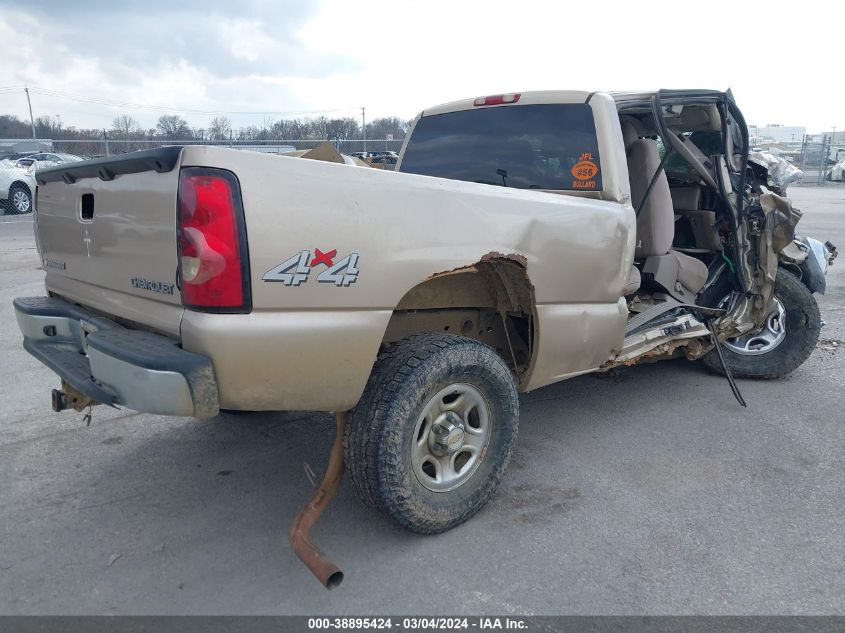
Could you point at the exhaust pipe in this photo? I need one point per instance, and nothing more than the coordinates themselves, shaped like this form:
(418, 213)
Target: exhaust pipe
(325, 571)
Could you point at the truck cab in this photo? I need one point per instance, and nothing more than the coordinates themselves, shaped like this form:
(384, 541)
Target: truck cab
(678, 159)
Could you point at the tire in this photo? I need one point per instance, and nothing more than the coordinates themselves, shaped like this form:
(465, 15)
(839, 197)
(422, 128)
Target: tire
(18, 194)
(388, 441)
(802, 327)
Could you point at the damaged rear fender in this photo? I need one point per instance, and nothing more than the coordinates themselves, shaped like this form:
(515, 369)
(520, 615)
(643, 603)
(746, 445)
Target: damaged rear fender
(491, 300)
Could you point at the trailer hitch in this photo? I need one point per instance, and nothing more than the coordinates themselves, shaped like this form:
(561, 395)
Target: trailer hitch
(325, 571)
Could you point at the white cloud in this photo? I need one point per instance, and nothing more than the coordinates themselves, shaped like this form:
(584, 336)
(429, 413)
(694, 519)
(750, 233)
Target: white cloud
(417, 54)
(398, 57)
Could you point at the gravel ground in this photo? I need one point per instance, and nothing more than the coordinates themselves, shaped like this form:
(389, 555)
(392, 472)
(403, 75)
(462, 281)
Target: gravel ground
(650, 493)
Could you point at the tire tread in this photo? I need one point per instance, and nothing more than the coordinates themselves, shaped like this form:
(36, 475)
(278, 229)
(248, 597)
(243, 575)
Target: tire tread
(368, 453)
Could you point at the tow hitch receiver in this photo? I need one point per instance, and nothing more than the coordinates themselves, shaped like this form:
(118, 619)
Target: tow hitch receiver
(69, 398)
(325, 571)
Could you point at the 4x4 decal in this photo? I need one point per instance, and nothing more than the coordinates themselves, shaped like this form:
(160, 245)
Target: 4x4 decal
(296, 269)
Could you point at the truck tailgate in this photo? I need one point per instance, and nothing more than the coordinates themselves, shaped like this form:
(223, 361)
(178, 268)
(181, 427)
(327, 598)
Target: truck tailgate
(107, 235)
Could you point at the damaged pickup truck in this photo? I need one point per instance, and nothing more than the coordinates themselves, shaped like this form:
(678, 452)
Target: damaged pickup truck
(524, 239)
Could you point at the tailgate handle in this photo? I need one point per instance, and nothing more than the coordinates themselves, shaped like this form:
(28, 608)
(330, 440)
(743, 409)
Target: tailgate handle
(87, 208)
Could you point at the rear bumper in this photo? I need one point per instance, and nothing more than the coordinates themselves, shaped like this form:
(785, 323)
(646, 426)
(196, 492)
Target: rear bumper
(114, 365)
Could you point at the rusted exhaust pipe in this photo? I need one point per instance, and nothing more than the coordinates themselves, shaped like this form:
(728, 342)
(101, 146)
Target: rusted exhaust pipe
(325, 571)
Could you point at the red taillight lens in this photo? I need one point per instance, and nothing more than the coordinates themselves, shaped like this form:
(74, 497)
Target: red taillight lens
(511, 97)
(213, 264)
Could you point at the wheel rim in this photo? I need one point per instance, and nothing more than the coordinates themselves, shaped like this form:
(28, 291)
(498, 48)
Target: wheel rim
(21, 201)
(450, 437)
(767, 339)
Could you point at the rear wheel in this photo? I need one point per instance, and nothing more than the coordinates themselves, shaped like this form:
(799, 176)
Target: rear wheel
(785, 341)
(431, 437)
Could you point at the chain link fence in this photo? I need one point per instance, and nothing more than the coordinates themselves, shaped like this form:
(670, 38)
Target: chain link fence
(815, 160)
(18, 162)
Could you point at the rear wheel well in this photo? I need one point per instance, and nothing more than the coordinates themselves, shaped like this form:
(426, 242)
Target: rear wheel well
(491, 301)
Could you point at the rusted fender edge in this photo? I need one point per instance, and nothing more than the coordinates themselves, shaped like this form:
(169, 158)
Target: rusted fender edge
(489, 257)
(300, 540)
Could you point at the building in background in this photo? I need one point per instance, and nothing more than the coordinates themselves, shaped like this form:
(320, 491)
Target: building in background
(776, 133)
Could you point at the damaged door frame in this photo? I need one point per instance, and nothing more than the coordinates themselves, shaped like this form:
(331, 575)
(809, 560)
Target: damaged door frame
(749, 245)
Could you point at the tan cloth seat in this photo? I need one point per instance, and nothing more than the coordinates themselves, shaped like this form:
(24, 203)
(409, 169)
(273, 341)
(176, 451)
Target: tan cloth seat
(656, 220)
(634, 281)
(692, 272)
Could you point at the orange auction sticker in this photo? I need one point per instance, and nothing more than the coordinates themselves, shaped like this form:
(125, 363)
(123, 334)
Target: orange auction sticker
(584, 170)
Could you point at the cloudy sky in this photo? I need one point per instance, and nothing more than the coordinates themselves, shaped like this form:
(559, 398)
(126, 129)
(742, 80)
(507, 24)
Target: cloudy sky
(257, 60)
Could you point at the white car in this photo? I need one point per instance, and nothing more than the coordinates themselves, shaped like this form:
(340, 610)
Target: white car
(17, 188)
(46, 159)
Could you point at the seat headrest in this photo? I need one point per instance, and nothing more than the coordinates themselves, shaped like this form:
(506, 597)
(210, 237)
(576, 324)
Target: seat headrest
(630, 132)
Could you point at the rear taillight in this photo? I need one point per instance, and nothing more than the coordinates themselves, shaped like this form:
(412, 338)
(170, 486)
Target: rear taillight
(213, 260)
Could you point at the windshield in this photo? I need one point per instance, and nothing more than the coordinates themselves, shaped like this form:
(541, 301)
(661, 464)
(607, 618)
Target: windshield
(547, 146)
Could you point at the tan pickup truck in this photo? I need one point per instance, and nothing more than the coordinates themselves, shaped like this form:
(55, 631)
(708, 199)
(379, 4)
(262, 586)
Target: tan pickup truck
(524, 239)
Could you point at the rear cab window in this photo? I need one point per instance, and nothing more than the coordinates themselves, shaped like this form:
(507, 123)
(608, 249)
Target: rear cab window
(532, 146)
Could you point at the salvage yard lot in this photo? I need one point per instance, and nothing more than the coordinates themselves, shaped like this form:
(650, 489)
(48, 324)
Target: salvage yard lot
(649, 492)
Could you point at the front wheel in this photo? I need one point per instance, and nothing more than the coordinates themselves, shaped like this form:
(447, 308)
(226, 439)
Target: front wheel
(20, 199)
(431, 437)
(786, 340)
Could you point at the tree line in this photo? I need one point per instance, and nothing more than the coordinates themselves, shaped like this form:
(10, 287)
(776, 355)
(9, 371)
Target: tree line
(172, 127)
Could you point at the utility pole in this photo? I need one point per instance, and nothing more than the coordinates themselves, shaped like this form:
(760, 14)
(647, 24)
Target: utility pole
(106, 141)
(363, 121)
(31, 120)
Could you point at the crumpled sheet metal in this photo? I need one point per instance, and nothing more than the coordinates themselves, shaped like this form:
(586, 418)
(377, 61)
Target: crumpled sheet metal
(782, 173)
(837, 172)
(782, 217)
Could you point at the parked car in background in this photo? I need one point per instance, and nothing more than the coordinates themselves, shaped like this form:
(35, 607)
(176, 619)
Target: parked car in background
(374, 154)
(46, 159)
(17, 188)
(13, 156)
(385, 161)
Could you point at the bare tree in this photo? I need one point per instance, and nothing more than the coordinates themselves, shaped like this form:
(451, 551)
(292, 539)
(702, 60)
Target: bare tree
(220, 129)
(126, 127)
(248, 133)
(132, 136)
(172, 126)
(380, 128)
(341, 129)
(48, 127)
